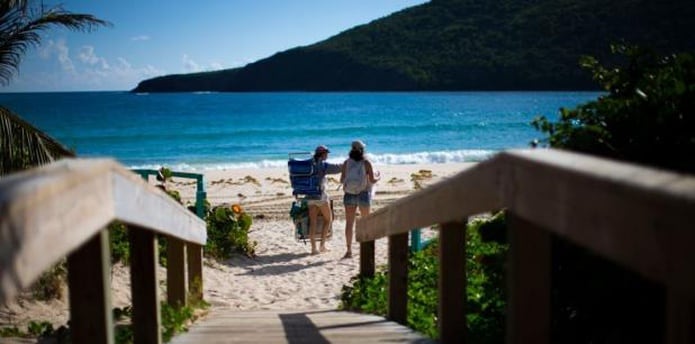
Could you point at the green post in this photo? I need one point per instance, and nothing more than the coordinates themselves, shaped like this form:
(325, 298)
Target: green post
(200, 196)
(415, 242)
(200, 193)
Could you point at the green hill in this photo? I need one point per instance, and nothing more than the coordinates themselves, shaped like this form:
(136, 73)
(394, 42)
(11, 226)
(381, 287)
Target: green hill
(460, 45)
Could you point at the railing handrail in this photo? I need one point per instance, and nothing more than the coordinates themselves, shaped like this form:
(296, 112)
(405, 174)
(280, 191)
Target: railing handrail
(638, 216)
(48, 212)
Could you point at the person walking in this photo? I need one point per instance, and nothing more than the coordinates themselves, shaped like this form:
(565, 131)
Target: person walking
(357, 177)
(320, 204)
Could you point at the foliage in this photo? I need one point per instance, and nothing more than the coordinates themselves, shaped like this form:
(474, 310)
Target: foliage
(119, 243)
(24, 146)
(648, 115)
(49, 285)
(458, 45)
(228, 228)
(485, 288)
(174, 320)
(21, 23)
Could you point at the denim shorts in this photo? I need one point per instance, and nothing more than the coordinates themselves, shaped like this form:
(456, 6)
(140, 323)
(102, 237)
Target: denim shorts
(362, 199)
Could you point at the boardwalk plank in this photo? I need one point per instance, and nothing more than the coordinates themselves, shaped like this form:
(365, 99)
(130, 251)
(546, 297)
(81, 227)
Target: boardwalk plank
(314, 326)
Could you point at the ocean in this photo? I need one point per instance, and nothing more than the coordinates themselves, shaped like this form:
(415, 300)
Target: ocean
(207, 131)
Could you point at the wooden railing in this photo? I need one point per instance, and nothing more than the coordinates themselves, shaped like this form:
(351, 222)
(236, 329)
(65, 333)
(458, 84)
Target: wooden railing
(640, 218)
(62, 209)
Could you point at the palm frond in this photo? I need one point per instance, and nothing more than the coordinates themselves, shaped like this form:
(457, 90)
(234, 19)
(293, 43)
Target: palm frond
(22, 145)
(20, 26)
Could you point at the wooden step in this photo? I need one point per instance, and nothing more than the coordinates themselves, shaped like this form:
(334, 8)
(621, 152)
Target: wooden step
(282, 326)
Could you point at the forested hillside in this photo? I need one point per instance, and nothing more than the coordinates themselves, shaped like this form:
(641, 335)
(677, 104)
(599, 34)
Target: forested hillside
(460, 45)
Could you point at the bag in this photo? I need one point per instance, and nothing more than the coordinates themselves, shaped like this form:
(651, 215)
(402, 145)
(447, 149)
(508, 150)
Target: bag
(355, 177)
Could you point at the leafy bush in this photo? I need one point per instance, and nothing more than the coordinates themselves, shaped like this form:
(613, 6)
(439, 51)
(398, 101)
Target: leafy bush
(648, 115)
(49, 286)
(228, 229)
(485, 292)
(119, 243)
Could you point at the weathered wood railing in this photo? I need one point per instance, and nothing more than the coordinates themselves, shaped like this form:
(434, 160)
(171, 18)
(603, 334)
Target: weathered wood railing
(640, 218)
(63, 209)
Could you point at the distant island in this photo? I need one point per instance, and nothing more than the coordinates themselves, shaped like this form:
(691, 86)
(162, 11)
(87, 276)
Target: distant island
(460, 45)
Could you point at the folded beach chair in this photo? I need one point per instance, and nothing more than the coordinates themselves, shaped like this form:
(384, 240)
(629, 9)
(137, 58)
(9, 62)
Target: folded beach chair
(305, 181)
(299, 212)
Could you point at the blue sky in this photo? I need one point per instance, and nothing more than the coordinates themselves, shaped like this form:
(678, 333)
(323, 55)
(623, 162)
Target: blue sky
(151, 38)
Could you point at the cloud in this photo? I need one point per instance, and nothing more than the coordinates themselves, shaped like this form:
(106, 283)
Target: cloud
(60, 49)
(190, 66)
(216, 66)
(140, 38)
(88, 56)
(84, 70)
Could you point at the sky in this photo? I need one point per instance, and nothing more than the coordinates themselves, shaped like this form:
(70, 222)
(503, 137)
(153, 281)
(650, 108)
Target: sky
(151, 38)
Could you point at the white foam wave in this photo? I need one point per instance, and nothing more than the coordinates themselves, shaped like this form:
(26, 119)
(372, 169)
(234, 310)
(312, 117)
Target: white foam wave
(437, 157)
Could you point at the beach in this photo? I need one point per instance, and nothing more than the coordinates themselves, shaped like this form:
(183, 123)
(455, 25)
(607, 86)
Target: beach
(283, 275)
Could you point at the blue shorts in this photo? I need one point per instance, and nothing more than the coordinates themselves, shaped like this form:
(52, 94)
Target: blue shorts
(363, 199)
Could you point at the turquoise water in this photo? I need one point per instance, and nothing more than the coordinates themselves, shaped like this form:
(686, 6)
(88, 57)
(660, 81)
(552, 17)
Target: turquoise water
(202, 131)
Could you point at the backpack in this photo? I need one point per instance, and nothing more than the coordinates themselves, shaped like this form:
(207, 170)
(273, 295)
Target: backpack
(355, 177)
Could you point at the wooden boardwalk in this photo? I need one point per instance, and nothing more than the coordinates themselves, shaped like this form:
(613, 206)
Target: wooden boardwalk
(314, 326)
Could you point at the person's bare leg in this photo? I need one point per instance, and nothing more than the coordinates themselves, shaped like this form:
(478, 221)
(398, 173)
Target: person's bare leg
(313, 217)
(327, 218)
(349, 225)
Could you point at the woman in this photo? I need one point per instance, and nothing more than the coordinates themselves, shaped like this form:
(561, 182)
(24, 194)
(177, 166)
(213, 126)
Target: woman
(320, 203)
(357, 178)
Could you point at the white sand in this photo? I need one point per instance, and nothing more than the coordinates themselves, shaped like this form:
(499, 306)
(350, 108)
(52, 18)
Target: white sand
(283, 276)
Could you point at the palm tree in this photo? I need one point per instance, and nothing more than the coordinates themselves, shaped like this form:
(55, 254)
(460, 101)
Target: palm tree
(21, 144)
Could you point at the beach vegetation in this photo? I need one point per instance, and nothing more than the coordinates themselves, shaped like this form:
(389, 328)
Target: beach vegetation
(486, 251)
(174, 320)
(22, 145)
(646, 116)
(228, 228)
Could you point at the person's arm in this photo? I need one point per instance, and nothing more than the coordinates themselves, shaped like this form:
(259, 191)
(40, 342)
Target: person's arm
(333, 168)
(342, 173)
(370, 172)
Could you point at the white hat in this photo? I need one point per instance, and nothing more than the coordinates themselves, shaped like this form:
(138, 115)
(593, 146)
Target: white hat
(357, 144)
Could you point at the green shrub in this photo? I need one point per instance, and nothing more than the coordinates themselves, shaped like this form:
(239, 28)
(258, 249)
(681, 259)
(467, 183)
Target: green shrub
(648, 115)
(228, 229)
(119, 243)
(49, 286)
(486, 295)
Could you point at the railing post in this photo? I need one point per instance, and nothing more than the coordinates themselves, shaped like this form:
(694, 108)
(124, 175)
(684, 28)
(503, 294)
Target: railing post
(200, 196)
(680, 318)
(452, 282)
(194, 255)
(528, 275)
(415, 240)
(367, 259)
(143, 275)
(176, 272)
(91, 317)
(398, 278)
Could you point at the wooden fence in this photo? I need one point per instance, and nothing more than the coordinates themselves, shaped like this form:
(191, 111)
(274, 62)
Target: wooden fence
(62, 209)
(640, 218)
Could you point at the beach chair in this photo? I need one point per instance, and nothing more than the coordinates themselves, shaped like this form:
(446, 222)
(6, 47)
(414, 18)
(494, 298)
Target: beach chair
(305, 181)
